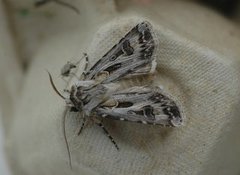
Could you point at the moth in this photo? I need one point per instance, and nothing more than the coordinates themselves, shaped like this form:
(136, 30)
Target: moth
(97, 94)
(39, 3)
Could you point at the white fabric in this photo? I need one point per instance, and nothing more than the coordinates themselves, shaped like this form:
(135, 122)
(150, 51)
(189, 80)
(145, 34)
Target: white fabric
(197, 63)
(10, 71)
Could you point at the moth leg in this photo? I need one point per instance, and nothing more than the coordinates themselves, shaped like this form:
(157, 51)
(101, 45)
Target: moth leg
(109, 136)
(83, 124)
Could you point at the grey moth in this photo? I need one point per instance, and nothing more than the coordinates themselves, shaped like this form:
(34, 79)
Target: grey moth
(97, 94)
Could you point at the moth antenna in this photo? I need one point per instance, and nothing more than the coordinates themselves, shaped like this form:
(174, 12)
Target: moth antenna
(67, 5)
(65, 138)
(54, 87)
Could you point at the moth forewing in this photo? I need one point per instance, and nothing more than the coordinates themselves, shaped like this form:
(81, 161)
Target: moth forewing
(144, 104)
(133, 55)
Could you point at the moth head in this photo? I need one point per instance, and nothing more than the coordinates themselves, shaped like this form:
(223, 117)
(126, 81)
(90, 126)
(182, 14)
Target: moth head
(72, 101)
(75, 98)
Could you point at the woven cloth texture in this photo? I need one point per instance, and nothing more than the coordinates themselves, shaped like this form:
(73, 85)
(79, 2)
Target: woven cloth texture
(202, 73)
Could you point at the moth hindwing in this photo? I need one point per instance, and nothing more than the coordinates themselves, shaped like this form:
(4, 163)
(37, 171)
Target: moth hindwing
(97, 95)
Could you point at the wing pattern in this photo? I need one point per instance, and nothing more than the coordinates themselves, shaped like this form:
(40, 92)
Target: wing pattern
(144, 104)
(131, 56)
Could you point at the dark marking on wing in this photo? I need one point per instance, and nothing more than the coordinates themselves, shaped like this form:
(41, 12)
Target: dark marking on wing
(127, 49)
(171, 111)
(124, 104)
(113, 67)
(148, 112)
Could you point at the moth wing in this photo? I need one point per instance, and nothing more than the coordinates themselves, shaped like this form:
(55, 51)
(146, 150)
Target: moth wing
(131, 56)
(144, 104)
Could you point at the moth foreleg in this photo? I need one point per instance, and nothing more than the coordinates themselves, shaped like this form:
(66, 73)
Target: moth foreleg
(109, 136)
